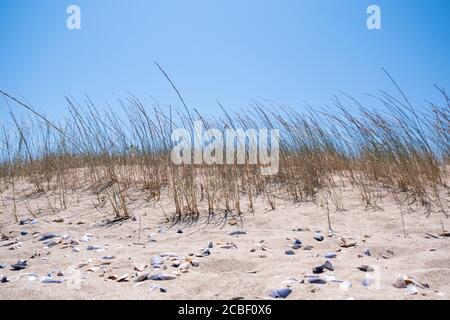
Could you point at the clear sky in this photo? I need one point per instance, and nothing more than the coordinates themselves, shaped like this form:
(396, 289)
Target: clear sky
(230, 50)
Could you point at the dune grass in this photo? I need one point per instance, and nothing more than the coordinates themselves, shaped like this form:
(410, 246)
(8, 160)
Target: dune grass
(402, 151)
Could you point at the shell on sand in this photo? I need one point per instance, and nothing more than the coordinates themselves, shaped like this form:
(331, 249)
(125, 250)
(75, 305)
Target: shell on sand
(140, 266)
(184, 266)
(123, 277)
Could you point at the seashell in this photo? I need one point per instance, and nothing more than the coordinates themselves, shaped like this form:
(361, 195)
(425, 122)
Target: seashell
(345, 244)
(206, 252)
(95, 248)
(47, 236)
(86, 238)
(345, 285)
(74, 242)
(318, 237)
(316, 280)
(2, 266)
(327, 265)
(210, 245)
(76, 249)
(195, 263)
(411, 290)
(180, 231)
(65, 236)
(139, 284)
(388, 254)
(365, 268)
(296, 246)
(367, 252)
(252, 250)
(168, 254)
(49, 280)
(140, 266)
(318, 269)
(237, 233)
(58, 220)
(281, 293)
(113, 277)
(82, 264)
(52, 243)
(23, 233)
(296, 242)
(3, 279)
(176, 263)
(330, 255)
(161, 289)
(308, 248)
(19, 265)
(123, 278)
(289, 252)
(28, 221)
(185, 265)
(108, 257)
(142, 277)
(400, 282)
(162, 277)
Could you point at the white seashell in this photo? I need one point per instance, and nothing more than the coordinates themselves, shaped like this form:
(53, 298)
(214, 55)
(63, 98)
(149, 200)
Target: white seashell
(86, 238)
(195, 263)
(93, 269)
(49, 280)
(411, 290)
(168, 254)
(123, 277)
(140, 266)
(176, 263)
(185, 266)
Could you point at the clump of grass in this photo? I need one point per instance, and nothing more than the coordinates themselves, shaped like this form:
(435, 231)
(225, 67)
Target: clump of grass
(402, 151)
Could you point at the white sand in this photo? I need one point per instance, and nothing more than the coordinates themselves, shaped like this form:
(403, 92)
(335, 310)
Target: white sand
(234, 272)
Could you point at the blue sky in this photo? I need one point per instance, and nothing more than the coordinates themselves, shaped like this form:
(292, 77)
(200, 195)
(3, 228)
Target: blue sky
(230, 50)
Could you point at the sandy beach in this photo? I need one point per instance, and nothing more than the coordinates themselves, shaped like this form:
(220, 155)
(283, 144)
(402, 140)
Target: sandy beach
(242, 266)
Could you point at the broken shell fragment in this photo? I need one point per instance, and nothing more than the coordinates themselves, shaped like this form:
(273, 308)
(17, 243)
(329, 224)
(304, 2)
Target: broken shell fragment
(195, 263)
(327, 265)
(318, 269)
(19, 265)
(365, 268)
(176, 263)
(289, 252)
(162, 277)
(123, 278)
(281, 293)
